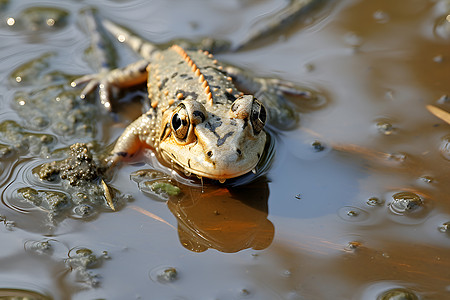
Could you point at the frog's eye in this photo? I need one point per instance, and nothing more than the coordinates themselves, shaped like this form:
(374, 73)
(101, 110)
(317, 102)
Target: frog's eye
(180, 123)
(258, 116)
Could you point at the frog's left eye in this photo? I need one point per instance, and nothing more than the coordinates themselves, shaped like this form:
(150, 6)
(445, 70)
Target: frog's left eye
(180, 123)
(258, 116)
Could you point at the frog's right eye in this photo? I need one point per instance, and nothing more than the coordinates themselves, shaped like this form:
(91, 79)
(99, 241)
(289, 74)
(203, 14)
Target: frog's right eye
(180, 123)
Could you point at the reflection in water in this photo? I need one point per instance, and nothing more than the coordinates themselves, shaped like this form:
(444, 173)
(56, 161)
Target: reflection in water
(19, 294)
(228, 220)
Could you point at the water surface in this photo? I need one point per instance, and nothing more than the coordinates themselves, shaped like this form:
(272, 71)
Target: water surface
(319, 225)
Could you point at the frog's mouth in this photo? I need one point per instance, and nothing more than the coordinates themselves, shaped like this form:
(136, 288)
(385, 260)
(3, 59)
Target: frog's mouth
(211, 170)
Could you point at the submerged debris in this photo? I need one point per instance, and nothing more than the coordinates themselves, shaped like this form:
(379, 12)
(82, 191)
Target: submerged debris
(78, 168)
(81, 191)
(155, 183)
(164, 274)
(18, 139)
(81, 260)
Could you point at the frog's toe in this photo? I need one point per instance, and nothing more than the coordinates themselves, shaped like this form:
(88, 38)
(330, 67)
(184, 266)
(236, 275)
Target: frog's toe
(88, 88)
(93, 81)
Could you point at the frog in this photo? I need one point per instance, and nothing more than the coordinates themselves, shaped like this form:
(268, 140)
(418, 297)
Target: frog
(204, 117)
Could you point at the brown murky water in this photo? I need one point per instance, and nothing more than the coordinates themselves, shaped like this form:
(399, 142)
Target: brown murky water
(366, 215)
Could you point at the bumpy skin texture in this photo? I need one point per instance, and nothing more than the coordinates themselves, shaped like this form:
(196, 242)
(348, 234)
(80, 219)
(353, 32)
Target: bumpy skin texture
(198, 121)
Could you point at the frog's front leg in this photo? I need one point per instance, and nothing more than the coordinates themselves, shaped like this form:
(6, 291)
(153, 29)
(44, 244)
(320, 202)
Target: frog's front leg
(140, 133)
(130, 75)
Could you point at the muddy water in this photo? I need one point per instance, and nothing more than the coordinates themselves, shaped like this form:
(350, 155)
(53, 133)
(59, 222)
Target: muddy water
(362, 217)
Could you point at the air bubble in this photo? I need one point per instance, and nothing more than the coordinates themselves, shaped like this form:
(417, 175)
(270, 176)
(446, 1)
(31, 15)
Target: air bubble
(445, 227)
(83, 210)
(404, 202)
(381, 17)
(352, 39)
(426, 179)
(374, 201)
(438, 59)
(385, 127)
(353, 214)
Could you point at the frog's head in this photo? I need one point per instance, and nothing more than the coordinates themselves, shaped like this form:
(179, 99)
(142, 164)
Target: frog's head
(216, 141)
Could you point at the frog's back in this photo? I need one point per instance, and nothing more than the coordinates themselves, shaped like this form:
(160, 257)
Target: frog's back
(177, 75)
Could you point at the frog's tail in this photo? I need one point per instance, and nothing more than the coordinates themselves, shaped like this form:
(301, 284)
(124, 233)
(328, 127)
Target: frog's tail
(146, 49)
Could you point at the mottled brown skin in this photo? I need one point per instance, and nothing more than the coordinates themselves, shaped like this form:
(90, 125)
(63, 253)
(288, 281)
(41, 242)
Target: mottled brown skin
(198, 120)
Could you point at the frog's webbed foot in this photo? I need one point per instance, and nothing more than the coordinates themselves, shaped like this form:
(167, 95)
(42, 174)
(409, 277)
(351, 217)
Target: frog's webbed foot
(286, 99)
(93, 81)
(106, 81)
(281, 87)
(275, 94)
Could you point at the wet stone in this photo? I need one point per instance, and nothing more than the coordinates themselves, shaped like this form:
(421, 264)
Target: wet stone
(404, 202)
(398, 294)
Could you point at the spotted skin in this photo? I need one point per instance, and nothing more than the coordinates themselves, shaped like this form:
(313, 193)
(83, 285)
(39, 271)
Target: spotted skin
(198, 122)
